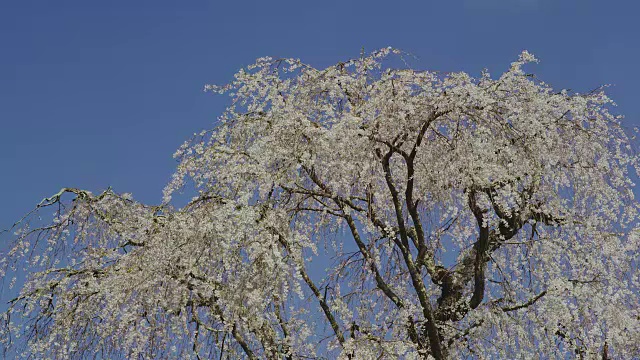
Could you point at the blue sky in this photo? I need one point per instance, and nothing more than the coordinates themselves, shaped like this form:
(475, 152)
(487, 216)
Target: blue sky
(97, 94)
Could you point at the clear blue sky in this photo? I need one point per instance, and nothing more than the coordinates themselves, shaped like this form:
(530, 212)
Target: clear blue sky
(101, 93)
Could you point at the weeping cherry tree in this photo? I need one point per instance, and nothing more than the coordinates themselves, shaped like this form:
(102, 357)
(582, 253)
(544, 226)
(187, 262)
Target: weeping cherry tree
(362, 211)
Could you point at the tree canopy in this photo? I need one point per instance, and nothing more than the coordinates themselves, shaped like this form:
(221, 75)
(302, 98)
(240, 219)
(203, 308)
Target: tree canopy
(360, 211)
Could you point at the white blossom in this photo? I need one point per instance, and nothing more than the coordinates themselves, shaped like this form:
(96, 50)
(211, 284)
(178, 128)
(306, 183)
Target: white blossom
(353, 212)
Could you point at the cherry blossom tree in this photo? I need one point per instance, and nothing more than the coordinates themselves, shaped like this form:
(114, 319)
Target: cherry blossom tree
(361, 211)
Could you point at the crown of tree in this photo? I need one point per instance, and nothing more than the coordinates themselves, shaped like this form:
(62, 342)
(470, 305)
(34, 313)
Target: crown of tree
(359, 211)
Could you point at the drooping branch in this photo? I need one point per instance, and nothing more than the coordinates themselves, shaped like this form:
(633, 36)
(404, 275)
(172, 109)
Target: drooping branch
(341, 202)
(381, 284)
(314, 289)
(245, 347)
(285, 331)
(526, 304)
